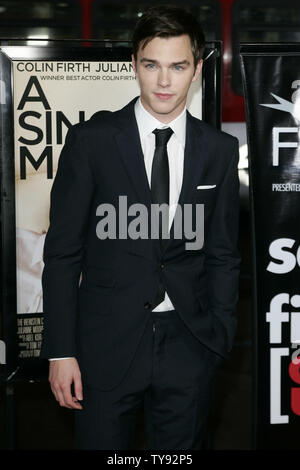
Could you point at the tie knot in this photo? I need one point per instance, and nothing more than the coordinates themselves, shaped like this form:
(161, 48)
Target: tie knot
(162, 136)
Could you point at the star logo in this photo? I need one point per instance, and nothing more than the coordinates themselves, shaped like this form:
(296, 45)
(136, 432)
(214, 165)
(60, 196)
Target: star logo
(286, 106)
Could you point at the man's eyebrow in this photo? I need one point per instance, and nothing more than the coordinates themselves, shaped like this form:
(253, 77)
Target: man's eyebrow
(144, 59)
(181, 62)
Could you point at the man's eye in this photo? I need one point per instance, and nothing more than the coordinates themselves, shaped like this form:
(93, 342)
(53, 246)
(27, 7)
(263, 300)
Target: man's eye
(178, 67)
(150, 66)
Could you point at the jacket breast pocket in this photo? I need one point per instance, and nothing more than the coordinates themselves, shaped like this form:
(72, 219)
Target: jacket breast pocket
(205, 195)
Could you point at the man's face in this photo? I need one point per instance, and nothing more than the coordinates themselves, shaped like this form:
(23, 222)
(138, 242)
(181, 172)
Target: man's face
(165, 70)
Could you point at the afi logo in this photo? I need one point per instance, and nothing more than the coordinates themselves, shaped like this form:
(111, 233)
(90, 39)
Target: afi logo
(292, 107)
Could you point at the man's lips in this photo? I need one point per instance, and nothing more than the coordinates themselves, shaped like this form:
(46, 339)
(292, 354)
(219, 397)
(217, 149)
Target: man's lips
(163, 96)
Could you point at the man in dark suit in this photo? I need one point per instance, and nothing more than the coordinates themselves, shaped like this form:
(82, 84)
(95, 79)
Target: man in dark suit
(153, 314)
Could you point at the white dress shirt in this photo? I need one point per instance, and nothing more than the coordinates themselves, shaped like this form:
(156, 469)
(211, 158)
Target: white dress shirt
(175, 148)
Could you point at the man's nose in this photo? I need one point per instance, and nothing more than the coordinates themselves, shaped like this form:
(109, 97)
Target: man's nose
(164, 78)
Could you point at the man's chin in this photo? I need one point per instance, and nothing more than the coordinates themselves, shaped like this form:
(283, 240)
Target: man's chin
(162, 108)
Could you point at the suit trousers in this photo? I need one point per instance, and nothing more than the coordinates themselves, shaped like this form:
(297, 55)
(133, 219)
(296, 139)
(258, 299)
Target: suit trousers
(171, 378)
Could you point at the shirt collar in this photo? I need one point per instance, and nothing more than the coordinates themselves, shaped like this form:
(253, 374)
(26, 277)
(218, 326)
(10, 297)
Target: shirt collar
(147, 123)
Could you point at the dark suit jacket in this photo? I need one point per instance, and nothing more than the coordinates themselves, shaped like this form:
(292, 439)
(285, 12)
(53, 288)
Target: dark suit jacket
(101, 321)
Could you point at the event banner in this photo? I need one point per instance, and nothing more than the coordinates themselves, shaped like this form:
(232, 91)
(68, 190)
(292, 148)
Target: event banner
(271, 79)
(46, 90)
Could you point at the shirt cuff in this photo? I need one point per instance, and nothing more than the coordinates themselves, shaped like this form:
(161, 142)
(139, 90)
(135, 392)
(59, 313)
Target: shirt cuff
(59, 358)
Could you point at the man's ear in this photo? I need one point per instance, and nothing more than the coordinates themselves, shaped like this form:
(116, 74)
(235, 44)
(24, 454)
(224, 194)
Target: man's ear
(133, 64)
(197, 70)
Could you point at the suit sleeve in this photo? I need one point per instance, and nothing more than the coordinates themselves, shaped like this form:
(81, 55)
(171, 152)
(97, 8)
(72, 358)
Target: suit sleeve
(70, 201)
(221, 253)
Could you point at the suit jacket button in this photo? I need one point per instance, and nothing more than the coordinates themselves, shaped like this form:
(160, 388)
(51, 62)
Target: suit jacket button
(147, 305)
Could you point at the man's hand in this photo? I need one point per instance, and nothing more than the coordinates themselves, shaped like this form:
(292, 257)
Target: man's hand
(61, 375)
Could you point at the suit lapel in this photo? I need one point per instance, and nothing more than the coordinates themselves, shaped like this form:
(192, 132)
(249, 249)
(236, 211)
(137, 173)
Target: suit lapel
(129, 145)
(192, 165)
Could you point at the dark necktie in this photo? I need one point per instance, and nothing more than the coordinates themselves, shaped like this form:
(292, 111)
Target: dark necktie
(160, 186)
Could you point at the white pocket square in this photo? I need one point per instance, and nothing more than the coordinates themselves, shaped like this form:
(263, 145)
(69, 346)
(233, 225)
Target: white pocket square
(206, 186)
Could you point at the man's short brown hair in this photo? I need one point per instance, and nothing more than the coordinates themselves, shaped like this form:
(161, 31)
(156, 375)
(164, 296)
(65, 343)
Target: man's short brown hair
(167, 21)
